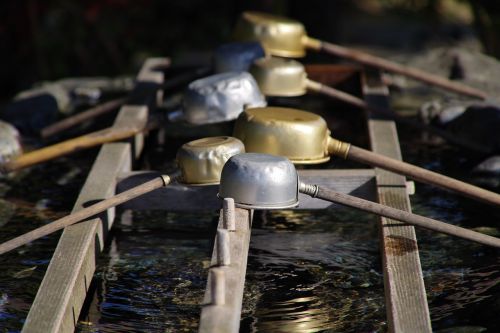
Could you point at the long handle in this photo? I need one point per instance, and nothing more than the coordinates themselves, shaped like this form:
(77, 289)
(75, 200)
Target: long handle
(358, 102)
(174, 82)
(69, 146)
(81, 117)
(374, 61)
(400, 215)
(84, 213)
(354, 153)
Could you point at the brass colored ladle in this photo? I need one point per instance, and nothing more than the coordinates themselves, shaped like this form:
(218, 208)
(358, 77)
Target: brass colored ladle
(285, 37)
(287, 77)
(304, 138)
(262, 181)
(200, 163)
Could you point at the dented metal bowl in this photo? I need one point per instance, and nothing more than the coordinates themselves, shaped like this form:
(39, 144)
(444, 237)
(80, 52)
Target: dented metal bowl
(279, 76)
(280, 36)
(201, 161)
(301, 136)
(221, 97)
(260, 181)
(10, 142)
(237, 57)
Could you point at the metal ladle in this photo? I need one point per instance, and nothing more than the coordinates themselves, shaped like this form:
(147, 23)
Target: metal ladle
(213, 99)
(288, 77)
(261, 181)
(304, 138)
(285, 37)
(200, 163)
(236, 56)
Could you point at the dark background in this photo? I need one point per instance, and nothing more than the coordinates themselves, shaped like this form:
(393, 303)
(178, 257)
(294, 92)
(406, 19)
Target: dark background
(51, 39)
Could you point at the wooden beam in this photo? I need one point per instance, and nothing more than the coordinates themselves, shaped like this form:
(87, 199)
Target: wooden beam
(63, 290)
(177, 197)
(406, 301)
(60, 297)
(225, 318)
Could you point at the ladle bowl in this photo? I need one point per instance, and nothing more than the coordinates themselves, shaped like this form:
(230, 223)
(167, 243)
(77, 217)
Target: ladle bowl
(10, 145)
(285, 37)
(237, 56)
(201, 161)
(301, 136)
(279, 76)
(260, 181)
(220, 98)
(280, 36)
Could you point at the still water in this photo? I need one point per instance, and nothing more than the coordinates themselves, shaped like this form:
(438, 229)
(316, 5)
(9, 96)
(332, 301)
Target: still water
(308, 271)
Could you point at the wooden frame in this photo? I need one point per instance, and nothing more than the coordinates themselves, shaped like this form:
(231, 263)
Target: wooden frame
(406, 299)
(60, 297)
(63, 290)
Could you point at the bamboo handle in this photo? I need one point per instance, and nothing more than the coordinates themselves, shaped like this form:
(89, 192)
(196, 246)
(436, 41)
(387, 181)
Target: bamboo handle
(84, 213)
(358, 102)
(400, 215)
(416, 173)
(69, 146)
(390, 66)
(81, 117)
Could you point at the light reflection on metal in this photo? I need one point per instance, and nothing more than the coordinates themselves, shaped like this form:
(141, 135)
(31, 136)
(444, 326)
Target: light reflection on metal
(280, 36)
(201, 161)
(221, 97)
(300, 136)
(260, 181)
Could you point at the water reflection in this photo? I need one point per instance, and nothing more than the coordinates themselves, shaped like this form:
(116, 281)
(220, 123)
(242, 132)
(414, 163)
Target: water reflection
(323, 276)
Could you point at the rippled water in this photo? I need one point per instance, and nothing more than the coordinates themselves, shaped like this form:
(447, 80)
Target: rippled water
(308, 271)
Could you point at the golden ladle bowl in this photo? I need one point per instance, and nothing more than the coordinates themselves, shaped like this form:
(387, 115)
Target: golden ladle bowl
(282, 77)
(284, 37)
(279, 36)
(302, 137)
(200, 161)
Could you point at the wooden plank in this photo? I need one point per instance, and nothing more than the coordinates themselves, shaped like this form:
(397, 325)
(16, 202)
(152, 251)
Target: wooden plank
(60, 297)
(226, 318)
(406, 302)
(177, 197)
(61, 294)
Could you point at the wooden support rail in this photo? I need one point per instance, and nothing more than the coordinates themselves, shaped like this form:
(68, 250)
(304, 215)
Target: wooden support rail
(178, 197)
(406, 301)
(221, 310)
(60, 297)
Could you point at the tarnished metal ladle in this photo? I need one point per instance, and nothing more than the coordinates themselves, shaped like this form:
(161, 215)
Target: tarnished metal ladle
(288, 77)
(10, 142)
(236, 56)
(285, 37)
(304, 138)
(262, 181)
(220, 97)
(200, 163)
(213, 99)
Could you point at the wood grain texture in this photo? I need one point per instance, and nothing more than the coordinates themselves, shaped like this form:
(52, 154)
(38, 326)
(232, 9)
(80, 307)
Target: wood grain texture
(226, 318)
(60, 297)
(61, 294)
(406, 301)
(177, 197)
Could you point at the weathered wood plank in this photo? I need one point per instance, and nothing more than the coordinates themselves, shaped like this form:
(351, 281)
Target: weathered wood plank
(226, 318)
(64, 287)
(59, 300)
(406, 302)
(177, 197)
